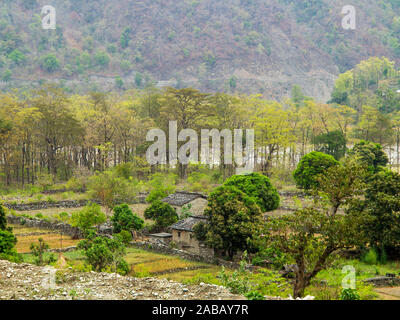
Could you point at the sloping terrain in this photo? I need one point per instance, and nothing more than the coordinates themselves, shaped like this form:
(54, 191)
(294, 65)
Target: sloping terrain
(252, 46)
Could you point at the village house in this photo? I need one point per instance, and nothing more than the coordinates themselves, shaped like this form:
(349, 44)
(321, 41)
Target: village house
(178, 200)
(184, 237)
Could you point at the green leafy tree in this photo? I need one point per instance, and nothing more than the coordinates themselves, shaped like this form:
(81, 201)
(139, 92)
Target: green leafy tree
(50, 63)
(17, 57)
(125, 219)
(371, 154)
(382, 205)
(258, 187)
(332, 143)
(234, 220)
(110, 189)
(90, 216)
(310, 167)
(311, 236)
(162, 214)
(102, 253)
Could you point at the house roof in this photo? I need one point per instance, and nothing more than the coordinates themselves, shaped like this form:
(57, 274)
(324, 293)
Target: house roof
(188, 223)
(181, 198)
(161, 235)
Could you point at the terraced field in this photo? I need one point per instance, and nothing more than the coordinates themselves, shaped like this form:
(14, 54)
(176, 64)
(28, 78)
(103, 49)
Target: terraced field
(26, 236)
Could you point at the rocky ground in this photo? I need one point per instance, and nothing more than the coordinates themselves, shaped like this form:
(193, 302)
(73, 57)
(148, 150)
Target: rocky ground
(29, 282)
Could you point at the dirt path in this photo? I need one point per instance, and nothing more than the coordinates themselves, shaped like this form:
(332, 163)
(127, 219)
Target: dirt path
(389, 293)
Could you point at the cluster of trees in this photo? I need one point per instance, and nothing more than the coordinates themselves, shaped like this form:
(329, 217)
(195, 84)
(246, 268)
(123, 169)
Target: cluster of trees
(355, 204)
(48, 131)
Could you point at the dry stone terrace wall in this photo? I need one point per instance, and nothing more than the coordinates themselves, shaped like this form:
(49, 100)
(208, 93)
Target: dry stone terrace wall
(141, 198)
(45, 224)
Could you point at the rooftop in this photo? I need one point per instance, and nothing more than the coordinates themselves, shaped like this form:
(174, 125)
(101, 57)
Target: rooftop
(161, 235)
(188, 223)
(181, 198)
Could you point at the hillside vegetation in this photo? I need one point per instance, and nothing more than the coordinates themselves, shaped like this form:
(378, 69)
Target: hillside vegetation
(252, 46)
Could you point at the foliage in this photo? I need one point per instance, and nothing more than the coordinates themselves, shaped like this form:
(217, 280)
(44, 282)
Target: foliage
(126, 236)
(102, 253)
(234, 220)
(90, 216)
(109, 189)
(161, 185)
(3, 219)
(349, 294)
(382, 205)
(258, 187)
(162, 214)
(371, 257)
(310, 167)
(125, 220)
(50, 63)
(371, 154)
(332, 143)
(38, 251)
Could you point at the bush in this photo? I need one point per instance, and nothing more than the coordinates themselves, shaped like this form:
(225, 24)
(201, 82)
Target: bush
(371, 257)
(7, 242)
(110, 189)
(162, 213)
(125, 236)
(310, 167)
(38, 251)
(103, 253)
(259, 188)
(349, 294)
(125, 219)
(90, 216)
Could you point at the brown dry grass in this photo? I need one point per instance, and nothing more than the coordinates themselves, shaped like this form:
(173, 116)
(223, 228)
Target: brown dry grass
(24, 242)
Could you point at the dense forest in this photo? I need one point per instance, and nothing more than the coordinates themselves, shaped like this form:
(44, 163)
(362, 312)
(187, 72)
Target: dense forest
(247, 46)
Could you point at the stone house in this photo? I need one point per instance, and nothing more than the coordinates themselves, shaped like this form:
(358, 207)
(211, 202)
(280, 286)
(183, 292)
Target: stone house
(184, 238)
(180, 199)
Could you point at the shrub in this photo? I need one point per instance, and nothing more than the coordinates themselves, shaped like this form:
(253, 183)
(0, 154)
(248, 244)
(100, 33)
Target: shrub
(90, 216)
(254, 295)
(103, 253)
(371, 257)
(259, 188)
(349, 294)
(3, 219)
(110, 189)
(125, 219)
(7, 242)
(310, 167)
(162, 213)
(125, 236)
(38, 251)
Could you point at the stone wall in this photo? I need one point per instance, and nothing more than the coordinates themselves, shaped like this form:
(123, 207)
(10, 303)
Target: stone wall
(45, 224)
(160, 247)
(45, 205)
(41, 205)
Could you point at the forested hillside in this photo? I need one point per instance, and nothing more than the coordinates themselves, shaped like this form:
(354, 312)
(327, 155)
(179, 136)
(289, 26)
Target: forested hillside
(252, 46)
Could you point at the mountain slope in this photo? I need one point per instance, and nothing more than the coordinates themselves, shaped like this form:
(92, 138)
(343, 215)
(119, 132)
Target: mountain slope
(252, 46)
